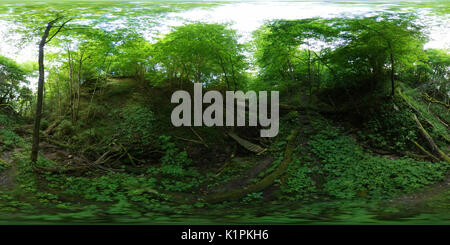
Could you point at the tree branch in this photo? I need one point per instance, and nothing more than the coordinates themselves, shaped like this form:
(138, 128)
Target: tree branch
(57, 31)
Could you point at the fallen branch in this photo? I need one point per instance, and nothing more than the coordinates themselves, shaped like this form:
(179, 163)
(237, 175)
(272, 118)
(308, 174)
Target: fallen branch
(419, 113)
(189, 140)
(198, 136)
(223, 167)
(130, 157)
(425, 151)
(417, 156)
(435, 101)
(436, 116)
(101, 159)
(435, 149)
(247, 144)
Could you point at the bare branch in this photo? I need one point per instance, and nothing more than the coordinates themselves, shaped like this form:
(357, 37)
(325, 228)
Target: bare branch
(59, 29)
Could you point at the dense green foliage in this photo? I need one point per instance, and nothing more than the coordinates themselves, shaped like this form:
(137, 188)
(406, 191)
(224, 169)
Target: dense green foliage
(214, 56)
(354, 56)
(13, 89)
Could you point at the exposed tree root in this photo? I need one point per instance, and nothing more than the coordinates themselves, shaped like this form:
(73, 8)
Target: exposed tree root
(264, 183)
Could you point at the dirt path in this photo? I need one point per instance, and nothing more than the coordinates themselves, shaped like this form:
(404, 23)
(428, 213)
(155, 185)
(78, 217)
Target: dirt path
(59, 155)
(246, 178)
(7, 177)
(427, 194)
(245, 181)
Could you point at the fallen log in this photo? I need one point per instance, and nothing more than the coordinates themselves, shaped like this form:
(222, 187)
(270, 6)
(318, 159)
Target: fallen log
(419, 113)
(427, 97)
(247, 144)
(50, 129)
(262, 184)
(437, 116)
(55, 142)
(23, 129)
(435, 149)
(425, 151)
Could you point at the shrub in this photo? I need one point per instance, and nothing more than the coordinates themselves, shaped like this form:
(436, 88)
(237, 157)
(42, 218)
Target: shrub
(9, 139)
(5, 121)
(136, 128)
(389, 126)
(350, 172)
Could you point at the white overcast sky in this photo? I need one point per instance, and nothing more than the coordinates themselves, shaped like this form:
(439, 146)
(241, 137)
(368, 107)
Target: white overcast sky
(246, 17)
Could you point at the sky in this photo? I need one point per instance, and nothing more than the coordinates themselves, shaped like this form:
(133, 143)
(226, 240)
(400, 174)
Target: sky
(245, 17)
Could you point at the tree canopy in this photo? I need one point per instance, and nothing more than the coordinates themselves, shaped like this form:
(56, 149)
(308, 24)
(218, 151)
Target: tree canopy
(13, 82)
(339, 52)
(205, 53)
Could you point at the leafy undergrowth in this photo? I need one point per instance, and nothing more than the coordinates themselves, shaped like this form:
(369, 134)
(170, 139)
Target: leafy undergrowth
(350, 171)
(334, 166)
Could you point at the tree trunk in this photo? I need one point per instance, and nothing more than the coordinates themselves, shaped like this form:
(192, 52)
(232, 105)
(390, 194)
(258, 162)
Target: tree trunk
(222, 65)
(70, 83)
(392, 69)
(80, 65)
(233, 75)
(309, 75)
(37, 119)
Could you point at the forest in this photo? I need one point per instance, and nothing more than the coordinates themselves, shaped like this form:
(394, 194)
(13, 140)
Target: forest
(85, 114)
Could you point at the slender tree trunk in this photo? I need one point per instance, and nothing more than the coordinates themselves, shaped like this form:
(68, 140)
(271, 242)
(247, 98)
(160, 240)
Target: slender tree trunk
(59, 100)
(222, 65)
(392, 71)
(37, 119)
(309, 75)
(70, 84)
(96, 82)
(233, 75)
(79, 87)
(291, 71)
(319, 72)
